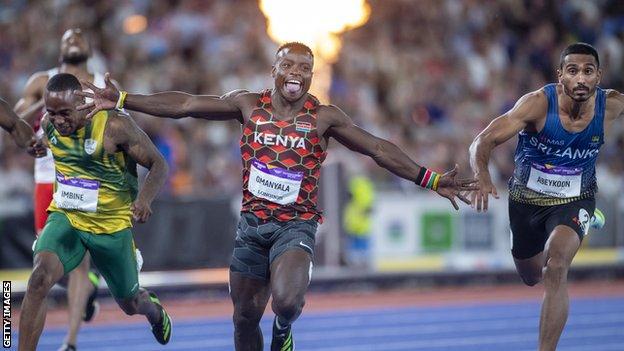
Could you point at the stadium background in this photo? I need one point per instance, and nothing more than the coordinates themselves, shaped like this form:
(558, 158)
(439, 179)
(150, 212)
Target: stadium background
(427, 75)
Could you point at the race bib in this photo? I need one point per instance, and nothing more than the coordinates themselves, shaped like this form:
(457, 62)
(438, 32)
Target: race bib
(76, 193)
(273, 183)
(562, 182)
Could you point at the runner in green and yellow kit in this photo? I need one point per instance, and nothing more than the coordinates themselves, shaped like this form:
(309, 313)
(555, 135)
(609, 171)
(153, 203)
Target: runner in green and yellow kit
(95, 199)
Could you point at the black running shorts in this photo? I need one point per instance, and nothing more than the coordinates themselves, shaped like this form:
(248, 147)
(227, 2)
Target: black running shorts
(259, 242)
(531, 225)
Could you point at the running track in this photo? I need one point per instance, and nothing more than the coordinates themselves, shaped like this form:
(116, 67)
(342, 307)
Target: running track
(490, 319)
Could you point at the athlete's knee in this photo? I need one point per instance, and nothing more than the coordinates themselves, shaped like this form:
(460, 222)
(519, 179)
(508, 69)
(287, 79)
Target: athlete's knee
(288, 306)
(556, 269)
(40, 282)
(246, 318)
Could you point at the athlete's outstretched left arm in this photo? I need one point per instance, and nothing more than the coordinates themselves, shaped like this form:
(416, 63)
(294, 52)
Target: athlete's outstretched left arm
(21, 132)
(390, 156)
(127, 135)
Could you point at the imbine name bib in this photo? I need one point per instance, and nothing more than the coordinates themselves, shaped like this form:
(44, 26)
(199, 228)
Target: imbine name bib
(556, 181)
(273, 183)
(76, 193)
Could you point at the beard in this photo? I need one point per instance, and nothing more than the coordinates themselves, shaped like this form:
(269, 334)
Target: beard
(571, 93)
(75, 59)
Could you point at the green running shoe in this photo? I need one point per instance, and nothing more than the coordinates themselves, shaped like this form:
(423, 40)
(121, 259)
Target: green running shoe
(282, 339)
(162, 329)
(598, 220)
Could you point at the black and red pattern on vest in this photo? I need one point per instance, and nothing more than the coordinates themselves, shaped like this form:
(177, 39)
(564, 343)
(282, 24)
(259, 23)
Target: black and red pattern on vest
(279, 158)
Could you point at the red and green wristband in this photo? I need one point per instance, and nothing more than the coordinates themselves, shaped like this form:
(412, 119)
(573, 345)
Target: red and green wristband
(428, 179)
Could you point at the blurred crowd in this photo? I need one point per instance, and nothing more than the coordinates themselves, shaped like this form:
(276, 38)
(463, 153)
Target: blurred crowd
(427, 75)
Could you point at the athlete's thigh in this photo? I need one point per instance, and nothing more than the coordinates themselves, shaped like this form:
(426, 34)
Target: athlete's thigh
(251, 247)
(115, 256)
(291, 273)
(59, 237)
(291, 256)
(567, 225)
(528, 229)
(575, 215)
(563, 243)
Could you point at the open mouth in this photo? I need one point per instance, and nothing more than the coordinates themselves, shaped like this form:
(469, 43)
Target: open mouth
(293, 86)
(64, 128)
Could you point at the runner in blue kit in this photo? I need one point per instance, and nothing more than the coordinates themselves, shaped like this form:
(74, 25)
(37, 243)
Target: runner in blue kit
(560, 130)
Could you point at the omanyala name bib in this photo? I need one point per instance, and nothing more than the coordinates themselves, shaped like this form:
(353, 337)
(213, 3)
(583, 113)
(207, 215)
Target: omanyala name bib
(556, 181)
(273, 183)
(76, 193)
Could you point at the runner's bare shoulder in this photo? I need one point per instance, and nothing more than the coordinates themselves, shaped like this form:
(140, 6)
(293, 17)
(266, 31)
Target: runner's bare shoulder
(533, 106)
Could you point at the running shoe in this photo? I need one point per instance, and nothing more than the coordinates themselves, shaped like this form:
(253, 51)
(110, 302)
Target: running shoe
(162, 329)
(93, 307)
(282, 338)
(67, 347)
(598, 220)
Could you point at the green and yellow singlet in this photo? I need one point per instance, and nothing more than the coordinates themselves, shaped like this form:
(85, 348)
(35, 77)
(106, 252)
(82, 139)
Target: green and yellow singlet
(94, 189)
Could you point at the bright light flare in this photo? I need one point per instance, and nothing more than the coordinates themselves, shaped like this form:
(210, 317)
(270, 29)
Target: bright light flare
(134, 24)
(318, 24)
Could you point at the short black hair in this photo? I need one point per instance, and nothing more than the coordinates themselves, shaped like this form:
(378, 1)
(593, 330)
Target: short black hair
(294, 45)
(579, 48)
(63, 82)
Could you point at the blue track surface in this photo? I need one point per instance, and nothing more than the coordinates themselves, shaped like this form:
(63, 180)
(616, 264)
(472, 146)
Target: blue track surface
(594, 324)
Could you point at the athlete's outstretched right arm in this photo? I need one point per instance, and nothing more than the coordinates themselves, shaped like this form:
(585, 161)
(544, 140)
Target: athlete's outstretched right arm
(529, 109)
(171, 104)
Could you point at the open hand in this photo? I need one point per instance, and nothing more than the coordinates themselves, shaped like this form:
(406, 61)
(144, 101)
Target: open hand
(37, 148)
(103, 98)
(450, 187)
(480, 197)
(141, 211)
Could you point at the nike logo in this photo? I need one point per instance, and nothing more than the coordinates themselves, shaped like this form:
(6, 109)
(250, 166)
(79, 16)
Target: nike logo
(306, 246)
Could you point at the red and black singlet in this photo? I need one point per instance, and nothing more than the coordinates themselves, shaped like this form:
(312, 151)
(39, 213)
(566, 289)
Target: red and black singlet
(281, 162)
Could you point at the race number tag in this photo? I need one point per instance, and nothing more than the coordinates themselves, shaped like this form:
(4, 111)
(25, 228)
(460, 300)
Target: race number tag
(562, 182)
(273, 183)
(76, 193)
